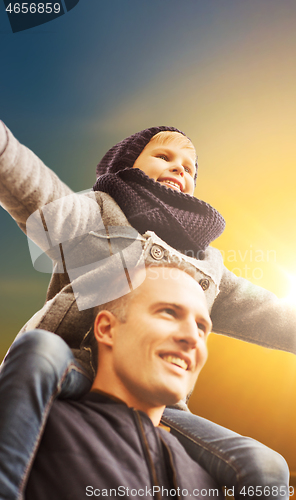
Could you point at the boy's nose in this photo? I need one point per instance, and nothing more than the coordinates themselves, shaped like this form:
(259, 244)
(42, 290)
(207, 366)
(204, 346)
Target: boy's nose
(178, 169)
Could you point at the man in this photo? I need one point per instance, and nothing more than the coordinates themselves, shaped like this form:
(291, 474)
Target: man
(151, 348)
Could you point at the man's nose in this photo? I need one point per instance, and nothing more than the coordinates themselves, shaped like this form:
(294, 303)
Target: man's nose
(187, 335)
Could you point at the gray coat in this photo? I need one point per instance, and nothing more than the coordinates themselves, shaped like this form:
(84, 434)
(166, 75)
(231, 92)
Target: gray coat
(88, 238)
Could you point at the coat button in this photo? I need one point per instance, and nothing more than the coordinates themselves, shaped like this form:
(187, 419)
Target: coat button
(157, 252)
(204, 284)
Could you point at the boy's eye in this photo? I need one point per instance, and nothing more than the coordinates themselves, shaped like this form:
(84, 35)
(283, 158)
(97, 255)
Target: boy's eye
(163, 157)
(189, 170)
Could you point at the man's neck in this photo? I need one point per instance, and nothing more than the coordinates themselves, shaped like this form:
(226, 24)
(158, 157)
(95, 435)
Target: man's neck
(154, 413)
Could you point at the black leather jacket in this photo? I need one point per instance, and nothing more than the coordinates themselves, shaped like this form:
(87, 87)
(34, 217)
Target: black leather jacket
(100, 447)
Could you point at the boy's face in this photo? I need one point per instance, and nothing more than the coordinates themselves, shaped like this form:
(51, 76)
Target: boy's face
(171, 164)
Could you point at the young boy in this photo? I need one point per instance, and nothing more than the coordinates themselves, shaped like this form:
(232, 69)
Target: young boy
(145, 182)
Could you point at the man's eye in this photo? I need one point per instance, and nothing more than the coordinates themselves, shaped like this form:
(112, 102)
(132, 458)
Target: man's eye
(169, 310)
(201, 327)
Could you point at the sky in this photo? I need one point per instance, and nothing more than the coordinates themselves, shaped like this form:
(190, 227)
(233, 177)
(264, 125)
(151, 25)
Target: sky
(225, 73)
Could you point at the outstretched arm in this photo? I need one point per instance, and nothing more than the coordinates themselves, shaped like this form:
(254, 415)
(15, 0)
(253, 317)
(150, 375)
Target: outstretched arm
(251, 313)
(26, 184)
(29, 188)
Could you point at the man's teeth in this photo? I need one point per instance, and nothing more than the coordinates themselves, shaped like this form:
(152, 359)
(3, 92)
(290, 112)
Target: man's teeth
(172, 183)
(175, 361)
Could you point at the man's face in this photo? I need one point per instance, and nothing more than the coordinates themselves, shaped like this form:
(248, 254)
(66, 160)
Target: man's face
(171, 164)
(161, 348)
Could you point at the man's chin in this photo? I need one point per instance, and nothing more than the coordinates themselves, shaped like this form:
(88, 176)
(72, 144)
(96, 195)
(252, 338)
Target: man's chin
(173, 399)
(180, 405)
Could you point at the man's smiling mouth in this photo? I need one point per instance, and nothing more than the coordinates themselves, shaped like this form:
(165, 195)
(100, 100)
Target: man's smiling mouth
(175, 360)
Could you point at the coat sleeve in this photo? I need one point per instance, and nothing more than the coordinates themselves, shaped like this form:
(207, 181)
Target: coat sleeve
(42, 205)
(251, 313)
(26, 184)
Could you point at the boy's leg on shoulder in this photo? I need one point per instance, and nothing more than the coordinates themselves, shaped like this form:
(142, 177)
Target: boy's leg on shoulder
(247, 468)
(38, 367)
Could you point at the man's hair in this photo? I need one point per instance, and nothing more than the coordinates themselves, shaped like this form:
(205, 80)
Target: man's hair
(120, 306)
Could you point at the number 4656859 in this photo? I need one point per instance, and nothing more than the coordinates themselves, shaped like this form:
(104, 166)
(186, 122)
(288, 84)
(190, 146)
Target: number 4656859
(33, 8)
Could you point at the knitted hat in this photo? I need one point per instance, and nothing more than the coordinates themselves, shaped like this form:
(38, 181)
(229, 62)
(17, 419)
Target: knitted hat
(124, 153)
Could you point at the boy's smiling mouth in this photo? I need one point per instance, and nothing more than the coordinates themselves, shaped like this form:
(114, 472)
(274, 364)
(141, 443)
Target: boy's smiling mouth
(171, 183)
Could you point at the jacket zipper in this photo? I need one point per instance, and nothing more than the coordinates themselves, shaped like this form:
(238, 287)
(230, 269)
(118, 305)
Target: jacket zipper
(145, 447)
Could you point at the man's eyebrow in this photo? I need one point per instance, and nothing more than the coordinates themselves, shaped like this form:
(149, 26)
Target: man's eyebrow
(167, 304)
(209, 324)
(200, 318)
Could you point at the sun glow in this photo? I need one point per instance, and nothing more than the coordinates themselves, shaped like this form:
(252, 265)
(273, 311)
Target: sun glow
(291, 296)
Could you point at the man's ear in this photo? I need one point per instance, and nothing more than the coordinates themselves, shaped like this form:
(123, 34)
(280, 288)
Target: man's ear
(104, 327)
